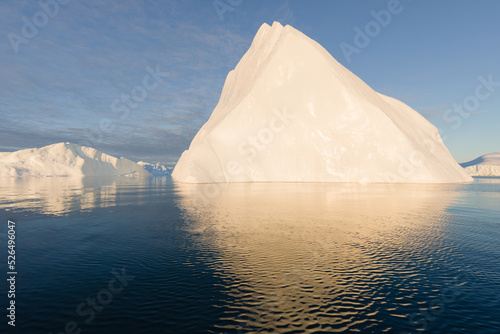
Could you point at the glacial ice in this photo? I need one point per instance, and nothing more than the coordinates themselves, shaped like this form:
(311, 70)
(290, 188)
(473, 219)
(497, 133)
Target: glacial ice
(485, 165)
(289, 112)
(65, 159)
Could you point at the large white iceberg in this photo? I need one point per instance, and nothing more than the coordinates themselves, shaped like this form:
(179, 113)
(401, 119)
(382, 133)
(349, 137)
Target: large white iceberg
(485, 165)
(65, 159)
(290, 112)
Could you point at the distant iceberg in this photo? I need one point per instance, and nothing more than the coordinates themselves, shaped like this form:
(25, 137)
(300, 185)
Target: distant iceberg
(66, 159)
(156, 169)
(485, 165)
(289, 112)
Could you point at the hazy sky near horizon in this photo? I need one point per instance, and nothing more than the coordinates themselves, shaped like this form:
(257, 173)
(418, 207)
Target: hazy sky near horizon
(67, 71)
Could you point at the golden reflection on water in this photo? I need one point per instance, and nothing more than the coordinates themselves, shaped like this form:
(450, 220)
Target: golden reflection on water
(330, 257)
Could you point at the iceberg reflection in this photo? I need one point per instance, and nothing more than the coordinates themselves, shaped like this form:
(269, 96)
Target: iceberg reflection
(331, 257)
(61, 195)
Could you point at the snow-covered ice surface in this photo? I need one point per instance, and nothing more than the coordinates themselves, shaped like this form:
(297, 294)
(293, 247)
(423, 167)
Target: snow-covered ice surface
(289, 112)
(485, 165)
(156, 169)
(65, 159)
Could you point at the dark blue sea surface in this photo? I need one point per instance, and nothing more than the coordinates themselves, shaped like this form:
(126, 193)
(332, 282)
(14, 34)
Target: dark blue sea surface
(126, 255)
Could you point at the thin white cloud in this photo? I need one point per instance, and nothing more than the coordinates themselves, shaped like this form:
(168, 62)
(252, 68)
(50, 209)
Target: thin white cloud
(92, 52)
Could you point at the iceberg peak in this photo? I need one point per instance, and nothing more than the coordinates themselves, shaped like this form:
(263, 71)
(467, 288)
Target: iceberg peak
(289, 112)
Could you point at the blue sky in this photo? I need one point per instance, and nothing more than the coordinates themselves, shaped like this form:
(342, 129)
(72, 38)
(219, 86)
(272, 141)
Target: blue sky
(68, 78)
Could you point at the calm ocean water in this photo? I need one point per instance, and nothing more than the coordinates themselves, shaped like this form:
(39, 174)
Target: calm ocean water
(124, 255)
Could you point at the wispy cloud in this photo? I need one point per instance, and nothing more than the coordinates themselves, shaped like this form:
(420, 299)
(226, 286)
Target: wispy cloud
(65, 79)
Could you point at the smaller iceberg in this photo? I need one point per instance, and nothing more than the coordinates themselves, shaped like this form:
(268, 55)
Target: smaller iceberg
(485, 165)
(66, 159)
(156, 169)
